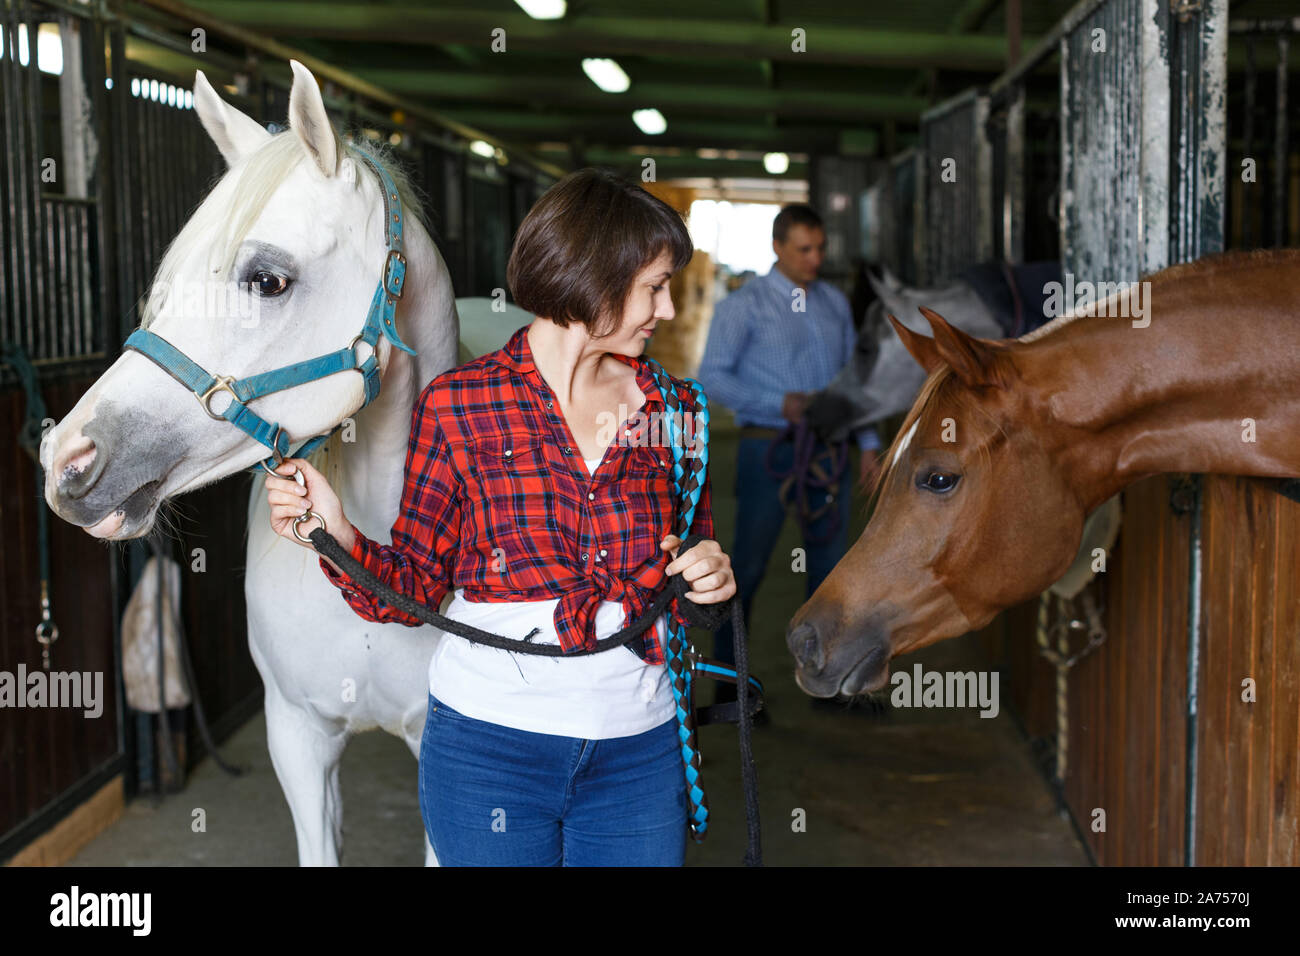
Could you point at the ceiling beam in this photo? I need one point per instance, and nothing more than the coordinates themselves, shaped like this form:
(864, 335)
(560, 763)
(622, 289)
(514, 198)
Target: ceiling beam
(621, 131)
(682, 167)
(607, 36)
(682, 97)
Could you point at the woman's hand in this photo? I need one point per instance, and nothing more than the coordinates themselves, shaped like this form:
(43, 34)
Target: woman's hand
(290, 500)
(706, 567)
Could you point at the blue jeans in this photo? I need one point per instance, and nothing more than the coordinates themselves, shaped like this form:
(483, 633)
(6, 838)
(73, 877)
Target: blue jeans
(759, 519)
(495, 796)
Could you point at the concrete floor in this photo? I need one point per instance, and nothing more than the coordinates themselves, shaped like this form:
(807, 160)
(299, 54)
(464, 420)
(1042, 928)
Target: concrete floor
(898, 787)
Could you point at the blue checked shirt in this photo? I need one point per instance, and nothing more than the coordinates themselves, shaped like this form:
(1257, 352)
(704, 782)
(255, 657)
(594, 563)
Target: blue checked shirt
(760, 347)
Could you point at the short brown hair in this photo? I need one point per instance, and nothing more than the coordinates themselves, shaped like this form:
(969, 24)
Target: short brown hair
(579, 249)
(795, 214)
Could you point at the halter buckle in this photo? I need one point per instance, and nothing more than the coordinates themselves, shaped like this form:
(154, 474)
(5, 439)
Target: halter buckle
(398, 274)
(222, 383)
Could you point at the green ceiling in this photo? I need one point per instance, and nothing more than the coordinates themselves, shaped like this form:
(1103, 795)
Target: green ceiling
(721, 71)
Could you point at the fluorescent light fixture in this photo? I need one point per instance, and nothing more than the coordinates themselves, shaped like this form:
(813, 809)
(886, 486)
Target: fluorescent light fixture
(606, 74)
(543, 9)
(776, 163)
(649, 121)
(480, 148)
(49, 49)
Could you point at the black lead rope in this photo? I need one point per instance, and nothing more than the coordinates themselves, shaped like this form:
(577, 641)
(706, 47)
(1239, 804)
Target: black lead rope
(708, 616)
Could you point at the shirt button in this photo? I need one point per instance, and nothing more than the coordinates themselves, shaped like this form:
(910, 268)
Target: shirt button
(566, 450)
(550, 405)
(603, 552)
(509, 452)
(584, 556)
(591, 496)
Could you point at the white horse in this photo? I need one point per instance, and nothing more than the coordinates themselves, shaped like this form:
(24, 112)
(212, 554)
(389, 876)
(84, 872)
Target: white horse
(299, 206)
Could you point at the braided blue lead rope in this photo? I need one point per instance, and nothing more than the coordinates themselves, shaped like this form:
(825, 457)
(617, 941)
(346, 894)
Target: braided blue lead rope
(688, 494)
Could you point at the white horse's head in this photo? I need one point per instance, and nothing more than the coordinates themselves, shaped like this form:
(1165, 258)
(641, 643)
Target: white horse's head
(277, 265)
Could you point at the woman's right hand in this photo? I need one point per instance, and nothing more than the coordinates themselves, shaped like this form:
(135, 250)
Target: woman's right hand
(289, 500)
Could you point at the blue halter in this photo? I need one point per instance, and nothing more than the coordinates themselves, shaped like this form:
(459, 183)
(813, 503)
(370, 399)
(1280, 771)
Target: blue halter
(379, 320)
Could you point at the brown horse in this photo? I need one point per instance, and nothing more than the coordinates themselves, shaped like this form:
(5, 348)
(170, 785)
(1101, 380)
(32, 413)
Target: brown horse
(1011, 443)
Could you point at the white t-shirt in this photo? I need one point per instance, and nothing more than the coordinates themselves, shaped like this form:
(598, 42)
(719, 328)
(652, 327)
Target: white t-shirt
(610, 694)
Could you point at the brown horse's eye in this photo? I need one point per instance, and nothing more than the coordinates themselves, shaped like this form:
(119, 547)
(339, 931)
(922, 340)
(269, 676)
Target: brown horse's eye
(268, 283)
(939, 482)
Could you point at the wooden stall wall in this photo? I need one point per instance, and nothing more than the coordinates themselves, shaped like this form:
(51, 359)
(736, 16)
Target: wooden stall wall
(1248, 775)
(51, 752)
(1127, 753)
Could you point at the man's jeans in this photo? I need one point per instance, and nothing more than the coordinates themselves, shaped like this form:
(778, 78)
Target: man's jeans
(759, 518)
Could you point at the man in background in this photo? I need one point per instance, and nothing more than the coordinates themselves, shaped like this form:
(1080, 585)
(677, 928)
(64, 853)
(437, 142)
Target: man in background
(771, 345)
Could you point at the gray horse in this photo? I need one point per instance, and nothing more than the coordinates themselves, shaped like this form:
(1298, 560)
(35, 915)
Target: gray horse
(882, 379)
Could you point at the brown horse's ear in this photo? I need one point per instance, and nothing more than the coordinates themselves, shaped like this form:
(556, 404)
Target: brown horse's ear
(921, 347)
(974, 360)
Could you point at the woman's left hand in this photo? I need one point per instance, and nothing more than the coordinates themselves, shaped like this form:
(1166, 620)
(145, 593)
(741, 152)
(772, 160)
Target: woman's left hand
(705, 567)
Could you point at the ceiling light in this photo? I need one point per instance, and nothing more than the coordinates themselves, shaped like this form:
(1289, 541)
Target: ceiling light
(606, 74)
(542, 9)
(480, 148)
(776, 163)
(649, 121)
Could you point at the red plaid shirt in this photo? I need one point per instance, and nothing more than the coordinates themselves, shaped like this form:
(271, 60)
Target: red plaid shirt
(497, 500)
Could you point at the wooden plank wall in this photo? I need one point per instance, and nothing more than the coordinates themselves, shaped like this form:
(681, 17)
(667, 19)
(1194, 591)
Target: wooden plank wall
(1248, 786)
(1128, 698)
(44, 752)
(1128, 748)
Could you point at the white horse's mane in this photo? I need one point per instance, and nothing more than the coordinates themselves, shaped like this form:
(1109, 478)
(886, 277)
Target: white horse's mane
(222, 221)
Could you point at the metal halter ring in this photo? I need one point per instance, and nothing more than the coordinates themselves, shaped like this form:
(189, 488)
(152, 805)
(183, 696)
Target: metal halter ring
(222, 383)
(307, 517)
(47, 632)
(298, 477)
(275, 453)
(352, 346)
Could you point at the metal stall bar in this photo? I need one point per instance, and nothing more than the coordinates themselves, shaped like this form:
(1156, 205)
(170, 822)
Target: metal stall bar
(1198, 51)
(1114, 197)
(957, 215)
(1280, 146)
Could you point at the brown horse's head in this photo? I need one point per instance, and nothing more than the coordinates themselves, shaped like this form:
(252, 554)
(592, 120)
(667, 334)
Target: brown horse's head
(974, 515)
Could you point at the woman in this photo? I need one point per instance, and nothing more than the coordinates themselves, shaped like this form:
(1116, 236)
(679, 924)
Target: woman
(531, 760)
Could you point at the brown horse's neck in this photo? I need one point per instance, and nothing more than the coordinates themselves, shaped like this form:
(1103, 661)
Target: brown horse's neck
(1212, 384)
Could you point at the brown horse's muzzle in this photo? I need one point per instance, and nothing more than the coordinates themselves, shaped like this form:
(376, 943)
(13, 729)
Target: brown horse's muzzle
(830, 661)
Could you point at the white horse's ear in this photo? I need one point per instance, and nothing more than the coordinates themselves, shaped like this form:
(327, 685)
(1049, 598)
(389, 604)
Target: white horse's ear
(236, 134)
(307, 118)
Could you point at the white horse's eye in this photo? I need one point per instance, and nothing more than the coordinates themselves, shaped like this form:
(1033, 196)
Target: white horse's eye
(268, 283)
